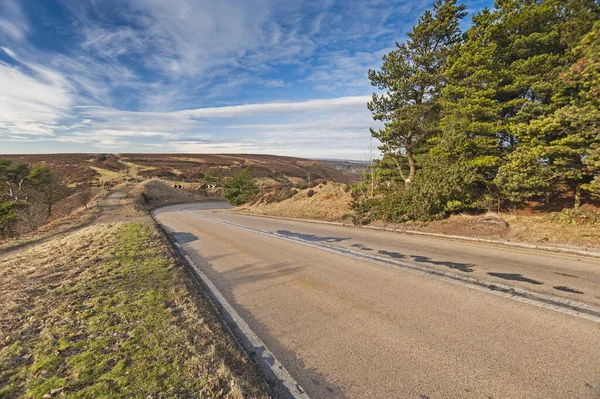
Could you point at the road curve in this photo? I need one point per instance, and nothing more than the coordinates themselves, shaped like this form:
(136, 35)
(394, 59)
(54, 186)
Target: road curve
(349, 327)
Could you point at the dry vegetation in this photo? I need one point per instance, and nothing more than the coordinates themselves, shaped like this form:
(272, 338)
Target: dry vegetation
(580, 228)
(154, 193)
(193, 167)
(107, 313)
(331, 202)
(76, 210)
(74, 169)
(80, 173)
(320, 200)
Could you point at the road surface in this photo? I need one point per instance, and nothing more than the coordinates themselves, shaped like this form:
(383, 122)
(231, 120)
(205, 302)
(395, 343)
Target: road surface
(347, 326)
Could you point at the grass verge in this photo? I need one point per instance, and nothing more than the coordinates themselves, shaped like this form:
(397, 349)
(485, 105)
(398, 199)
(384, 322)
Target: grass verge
(106, 312)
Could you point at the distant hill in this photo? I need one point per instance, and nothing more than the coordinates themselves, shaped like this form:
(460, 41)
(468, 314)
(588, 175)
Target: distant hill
(354, 170)
(95, 169)
(273, 168)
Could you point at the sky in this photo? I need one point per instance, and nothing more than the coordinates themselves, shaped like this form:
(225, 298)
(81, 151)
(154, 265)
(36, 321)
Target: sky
(282, 77)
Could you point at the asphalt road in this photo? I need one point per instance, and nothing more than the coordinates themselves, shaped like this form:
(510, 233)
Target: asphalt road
(349, 327)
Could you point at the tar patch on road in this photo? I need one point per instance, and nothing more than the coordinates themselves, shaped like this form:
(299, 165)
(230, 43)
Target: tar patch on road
(362, 247)
(310, 237)
(515, 277)
(463, 267)
(567, 289)
(395, 255)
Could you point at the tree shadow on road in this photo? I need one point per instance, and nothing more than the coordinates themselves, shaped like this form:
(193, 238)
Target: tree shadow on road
(463, 267)
(515, 277)
(184, 238)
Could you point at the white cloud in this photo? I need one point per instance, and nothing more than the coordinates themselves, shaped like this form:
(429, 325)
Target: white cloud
(32, 104)
(13, 24)
(172, 55)
(275, 83)
(335, 127)
(344, 71)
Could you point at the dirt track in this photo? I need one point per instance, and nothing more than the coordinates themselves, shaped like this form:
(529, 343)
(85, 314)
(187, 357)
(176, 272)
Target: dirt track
(113, 209)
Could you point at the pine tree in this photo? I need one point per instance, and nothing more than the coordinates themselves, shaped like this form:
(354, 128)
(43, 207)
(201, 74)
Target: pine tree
(574, 147)
(540, 115)
(413, 77)
(470, 125)
(507, 113)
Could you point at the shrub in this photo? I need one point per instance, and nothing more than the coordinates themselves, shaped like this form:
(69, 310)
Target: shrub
(240, 187)
(7, 217)
(438, 190)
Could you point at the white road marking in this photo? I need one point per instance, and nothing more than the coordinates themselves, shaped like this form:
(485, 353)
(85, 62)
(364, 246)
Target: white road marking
(551, 302)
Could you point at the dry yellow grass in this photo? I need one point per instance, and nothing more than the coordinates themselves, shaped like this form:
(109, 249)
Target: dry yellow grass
(536, 229)
(109, 176)
(107, 312)
(541, 230)
(330, 202)
(134, 169)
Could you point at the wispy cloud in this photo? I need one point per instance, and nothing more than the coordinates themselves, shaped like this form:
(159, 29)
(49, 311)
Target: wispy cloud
(193, 75)
(13, 24)
(34, 103)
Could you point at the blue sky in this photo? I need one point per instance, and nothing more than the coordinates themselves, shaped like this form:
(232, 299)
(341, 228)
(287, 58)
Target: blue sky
(244, 76)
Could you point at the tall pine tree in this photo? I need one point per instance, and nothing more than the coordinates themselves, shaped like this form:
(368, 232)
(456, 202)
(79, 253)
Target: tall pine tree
(537, 40)
(413, 76)
(574, 128)
(470, 126)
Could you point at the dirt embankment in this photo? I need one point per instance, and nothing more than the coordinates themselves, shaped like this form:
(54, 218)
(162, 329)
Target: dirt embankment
(331, 202)
(154, 193)
(320, 200)
(557, 228)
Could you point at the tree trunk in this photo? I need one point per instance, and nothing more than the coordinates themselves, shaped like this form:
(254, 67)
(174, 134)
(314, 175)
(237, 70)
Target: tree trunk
(577, 196)
(411, 166)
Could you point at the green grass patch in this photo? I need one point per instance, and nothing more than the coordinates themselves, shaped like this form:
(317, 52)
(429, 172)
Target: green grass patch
(116, 317)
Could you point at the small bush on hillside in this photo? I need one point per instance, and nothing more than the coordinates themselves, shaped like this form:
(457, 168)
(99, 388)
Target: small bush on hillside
(7, 217)
(441, 189)
(240, 187)
(576, 217)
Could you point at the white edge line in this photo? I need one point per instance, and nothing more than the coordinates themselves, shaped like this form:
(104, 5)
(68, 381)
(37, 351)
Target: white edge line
(266, 359)
(581, 251)
(533, 298)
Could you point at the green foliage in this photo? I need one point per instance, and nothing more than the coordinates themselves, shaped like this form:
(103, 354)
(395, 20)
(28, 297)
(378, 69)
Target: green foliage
(576, 217)
(510, 111)
(524, 174)
(213, 176)
(41, 175)
(43, 178)
(440, 188)
(118, 323)
(7, 216)
(413, 76)
(13, 180)
(240, 188)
